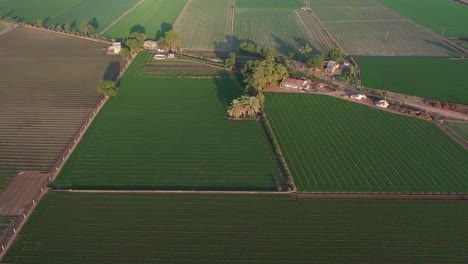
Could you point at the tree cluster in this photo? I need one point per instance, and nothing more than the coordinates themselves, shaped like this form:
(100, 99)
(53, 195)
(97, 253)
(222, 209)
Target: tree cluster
(260, 73)
(335, 54)
(251, 49)
(171, 40)
(315, 61)
(86, 28)
(244, 107)
(230, 62)
(107, 88)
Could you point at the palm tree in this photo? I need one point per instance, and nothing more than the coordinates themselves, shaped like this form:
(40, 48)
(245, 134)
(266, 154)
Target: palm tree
(244, 106)
(306, 49)
(235, 110)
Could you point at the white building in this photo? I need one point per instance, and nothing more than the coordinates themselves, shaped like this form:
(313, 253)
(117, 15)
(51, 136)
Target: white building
(115, 48)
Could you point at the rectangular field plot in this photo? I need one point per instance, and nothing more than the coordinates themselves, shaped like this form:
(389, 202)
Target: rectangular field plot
(439, 79)
(332, 145)
(48, 86)
(383, 38)
(172, 134)
(178, 228)
(450, 19)
(152, 17)
(206, 25)
(180, 68)
(279, 29)
(270, 4)
(31, 10)
(100, 13)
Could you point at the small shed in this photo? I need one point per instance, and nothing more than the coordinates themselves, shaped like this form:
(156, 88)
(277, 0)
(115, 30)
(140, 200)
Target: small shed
(294, 83)
(332, 66)
(115, 48)
(382, 104)
(150, 45)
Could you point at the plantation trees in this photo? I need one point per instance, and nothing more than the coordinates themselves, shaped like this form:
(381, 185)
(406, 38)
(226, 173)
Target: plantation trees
(170, 40)
(315, 61)
(135, 41)
(335, 54)
(230, 62)
(258, 74)
(244, 107)
(86, 28)
(107, 88)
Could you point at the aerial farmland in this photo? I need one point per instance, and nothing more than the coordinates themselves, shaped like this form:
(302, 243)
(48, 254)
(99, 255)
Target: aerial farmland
(233, 131)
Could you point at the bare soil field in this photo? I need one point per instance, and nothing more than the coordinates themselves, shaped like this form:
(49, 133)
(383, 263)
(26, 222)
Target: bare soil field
(48, 88)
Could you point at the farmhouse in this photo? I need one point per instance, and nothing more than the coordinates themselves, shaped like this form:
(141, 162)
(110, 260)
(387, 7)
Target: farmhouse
(332, 66)
(150, 45)
(115, 48)
(294, 83)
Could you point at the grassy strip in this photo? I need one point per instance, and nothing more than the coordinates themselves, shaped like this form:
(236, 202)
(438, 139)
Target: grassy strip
(461, 128)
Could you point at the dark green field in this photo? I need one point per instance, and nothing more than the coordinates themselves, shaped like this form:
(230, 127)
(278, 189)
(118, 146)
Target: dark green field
(442, 16)
(171, 134)
(332, 145)
(180, 228)
(439, 79)
(4, 223)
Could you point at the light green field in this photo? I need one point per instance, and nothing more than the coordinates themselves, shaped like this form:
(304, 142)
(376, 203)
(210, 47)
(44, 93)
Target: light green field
(461, 128)
(171, 134)
(442, 16)
(343, 3)
(31, 10)
(154, 17)
(333, 145)
(101, 13)
(439, 79)
(275, 28)
(206, 25)
(236, 228)
(270, 4)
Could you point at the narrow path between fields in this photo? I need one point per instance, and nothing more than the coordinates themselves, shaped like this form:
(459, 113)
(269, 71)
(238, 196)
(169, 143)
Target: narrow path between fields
(120, 18)
(66, 9)
(233, 7)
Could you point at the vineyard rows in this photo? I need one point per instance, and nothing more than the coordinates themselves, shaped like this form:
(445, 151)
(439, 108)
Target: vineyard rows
(332, 145)
(178, 228)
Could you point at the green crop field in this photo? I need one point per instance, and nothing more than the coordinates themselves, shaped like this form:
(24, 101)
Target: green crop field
(5, 178)
(171, 134)
(206, 25)
(332, 145)
(154, 17)
(451, 18)
(180, 68)
(275, 28)
(207, 228)
(461, 128)
(31, 10)
(270, 4)
(101, 13)
(439, 79)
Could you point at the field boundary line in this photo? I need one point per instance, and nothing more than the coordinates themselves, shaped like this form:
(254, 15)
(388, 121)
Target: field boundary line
(69, 34)
(66, 9)
(171, 191)
(365, 21)
(452, 134)
(325, 29)
(376, 196)
(121, 17)
(233, 14)
(8, 29)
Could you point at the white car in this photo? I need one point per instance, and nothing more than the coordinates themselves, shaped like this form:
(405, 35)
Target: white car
(358, 96)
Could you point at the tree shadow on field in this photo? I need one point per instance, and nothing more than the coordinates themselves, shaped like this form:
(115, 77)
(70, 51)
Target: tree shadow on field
(138, 28)
(451, 51)
(112, 70)
(73, 24)
(165, 27)
(228, 86)
(93, 22)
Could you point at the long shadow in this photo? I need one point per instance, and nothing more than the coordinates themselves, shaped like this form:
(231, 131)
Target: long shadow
(138, 28)
(450, 50)
(301, 42)
(113, 68)
(165, 27)
(73, 25)
(284, 47)
(94, 23)
(228, 86)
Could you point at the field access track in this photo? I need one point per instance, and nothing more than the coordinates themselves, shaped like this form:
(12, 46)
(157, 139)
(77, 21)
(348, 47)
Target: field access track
(48, 87)
(208, 228)
(341, 146)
